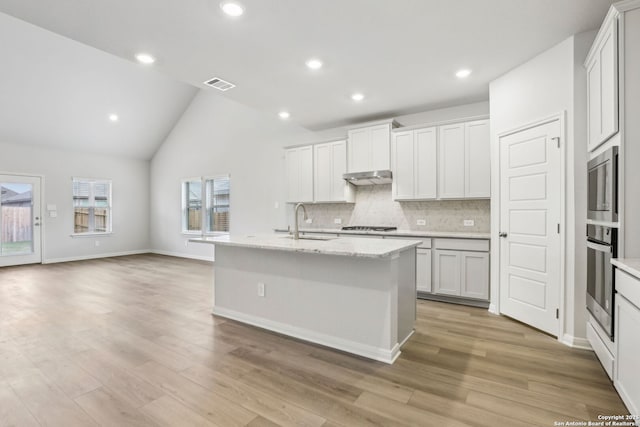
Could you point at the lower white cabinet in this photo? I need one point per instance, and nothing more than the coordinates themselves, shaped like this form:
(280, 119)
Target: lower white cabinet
(460, 273)
(627, 339)
(423, 269)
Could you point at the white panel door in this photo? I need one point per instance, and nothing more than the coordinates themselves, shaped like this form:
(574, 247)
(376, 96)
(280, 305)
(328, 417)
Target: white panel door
(20, 220)
(451, 165)
(426, 161)
(360, 150)
(403, 166)
(322, 173)
(380, 147)
(530, 185)
(446, 277)
(477, 160)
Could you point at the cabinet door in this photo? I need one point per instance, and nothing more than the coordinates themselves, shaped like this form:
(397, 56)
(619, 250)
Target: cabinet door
(426, 161)
(477, 160)
(360, 150)
(446, 275)
(608, 54)
(341, 191)
(306, 174)
(322, 174)
(423, 270)
(593, 103)
(292, 165)
(403, 166)
(474, 275)
(451, 166)
(380, 147)
(627, 374)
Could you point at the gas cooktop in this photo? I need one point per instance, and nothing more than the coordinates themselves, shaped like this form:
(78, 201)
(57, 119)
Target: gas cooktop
(368, 228)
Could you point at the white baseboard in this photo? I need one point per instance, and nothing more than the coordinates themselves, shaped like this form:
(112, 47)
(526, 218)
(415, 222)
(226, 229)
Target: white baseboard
(576, 342)
(370, 352)
(182, 255)
(95, 256)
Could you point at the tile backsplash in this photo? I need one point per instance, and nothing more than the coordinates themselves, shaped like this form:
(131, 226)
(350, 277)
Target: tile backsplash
(374, 206)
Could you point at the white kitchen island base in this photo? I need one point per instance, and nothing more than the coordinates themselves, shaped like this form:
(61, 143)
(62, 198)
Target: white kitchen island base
(365, 305)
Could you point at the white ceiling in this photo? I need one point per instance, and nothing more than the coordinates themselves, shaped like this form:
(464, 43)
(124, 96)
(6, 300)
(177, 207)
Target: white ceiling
(58, 93)
(401, 53)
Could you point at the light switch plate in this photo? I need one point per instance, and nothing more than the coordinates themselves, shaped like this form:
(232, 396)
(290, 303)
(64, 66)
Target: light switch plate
(421, 222)
(337, 220)
(52, 208)
(276, 205)
(468, 223)
(261, 289)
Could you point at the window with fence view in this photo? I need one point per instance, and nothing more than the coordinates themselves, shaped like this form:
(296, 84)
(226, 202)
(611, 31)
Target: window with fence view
(91, 206)
(205, 205)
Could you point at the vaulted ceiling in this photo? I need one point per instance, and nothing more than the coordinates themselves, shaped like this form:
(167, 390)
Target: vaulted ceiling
(402, 55)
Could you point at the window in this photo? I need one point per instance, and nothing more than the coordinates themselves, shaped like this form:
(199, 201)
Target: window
(210, 194)
(91, 206)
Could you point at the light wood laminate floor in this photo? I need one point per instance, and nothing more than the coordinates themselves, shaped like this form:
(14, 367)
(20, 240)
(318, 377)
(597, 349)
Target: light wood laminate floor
(130, 341)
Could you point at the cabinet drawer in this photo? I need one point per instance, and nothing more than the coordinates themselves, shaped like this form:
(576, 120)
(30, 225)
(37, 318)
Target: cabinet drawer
(424, 243)
(476, 245)
(628, 286)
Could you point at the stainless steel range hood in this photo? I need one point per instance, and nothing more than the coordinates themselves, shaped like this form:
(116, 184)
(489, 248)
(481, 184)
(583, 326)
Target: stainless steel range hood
(368, 178)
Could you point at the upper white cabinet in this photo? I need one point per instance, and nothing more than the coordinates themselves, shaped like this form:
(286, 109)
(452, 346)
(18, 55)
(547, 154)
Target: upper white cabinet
(451, 165)
(602, 85)
(414, 164)
(299, 169)
(464, 168)
(329, 164)
(369, 148)
(477, 160)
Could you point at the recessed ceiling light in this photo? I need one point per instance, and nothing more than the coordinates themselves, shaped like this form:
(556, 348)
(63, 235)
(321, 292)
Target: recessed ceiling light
(314, 64)
(284, 115)
(113, 117)
(357, 97)
(232, 8)
(145, 58)
(462, 74)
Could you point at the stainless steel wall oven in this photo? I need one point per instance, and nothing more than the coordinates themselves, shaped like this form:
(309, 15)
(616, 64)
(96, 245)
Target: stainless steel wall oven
(601, 247)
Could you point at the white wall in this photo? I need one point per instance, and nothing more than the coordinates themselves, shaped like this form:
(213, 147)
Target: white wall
(220, 136)
(130, 199)
(551, 83)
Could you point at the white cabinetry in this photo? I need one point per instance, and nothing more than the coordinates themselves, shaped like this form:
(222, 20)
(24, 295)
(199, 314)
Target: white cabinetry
(414, 164)
(299, 169)
(369, 148)
(461, 268)
(627, 339)
(602, 85)
(464, 160)
(329, 164)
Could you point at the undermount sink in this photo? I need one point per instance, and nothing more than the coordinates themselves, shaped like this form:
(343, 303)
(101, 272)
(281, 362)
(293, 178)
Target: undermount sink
(311, 238)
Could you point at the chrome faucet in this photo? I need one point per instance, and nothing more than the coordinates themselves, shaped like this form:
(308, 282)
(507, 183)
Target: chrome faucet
(296, 231)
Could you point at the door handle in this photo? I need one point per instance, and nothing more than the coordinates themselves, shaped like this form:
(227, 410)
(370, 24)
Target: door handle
(502, 234)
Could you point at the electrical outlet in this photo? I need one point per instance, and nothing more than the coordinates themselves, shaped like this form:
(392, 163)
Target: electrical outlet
(276, 205)
(186, 243)
(53, 214)
(309, 220)
(97, 242)
(421, 222)
(337, 220)
(260, 289)
(468, 223)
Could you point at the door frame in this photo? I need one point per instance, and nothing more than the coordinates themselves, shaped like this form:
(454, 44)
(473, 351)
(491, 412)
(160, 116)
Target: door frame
(496, 206)
(42, 206)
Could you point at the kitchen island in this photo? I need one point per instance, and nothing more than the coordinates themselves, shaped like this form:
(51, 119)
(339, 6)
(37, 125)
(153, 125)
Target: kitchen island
(353, 294)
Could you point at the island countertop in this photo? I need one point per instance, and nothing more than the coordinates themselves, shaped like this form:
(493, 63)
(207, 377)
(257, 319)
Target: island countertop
(345, 246)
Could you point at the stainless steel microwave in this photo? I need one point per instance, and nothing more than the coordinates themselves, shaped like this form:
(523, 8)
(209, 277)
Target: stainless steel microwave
(603, 187)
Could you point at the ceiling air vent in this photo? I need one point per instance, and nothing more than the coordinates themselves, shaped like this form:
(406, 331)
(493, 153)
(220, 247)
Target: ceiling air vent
(219, 84)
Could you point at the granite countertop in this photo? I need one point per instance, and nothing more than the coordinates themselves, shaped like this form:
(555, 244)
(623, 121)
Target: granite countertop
(628, 265)
(398, 233)
(345, 246)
